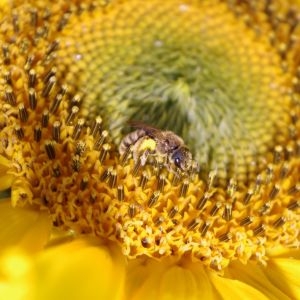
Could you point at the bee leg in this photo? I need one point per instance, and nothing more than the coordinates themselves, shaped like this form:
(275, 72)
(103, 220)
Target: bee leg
(144, 157)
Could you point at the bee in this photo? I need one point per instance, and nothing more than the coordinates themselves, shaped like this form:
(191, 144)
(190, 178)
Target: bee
(147, 140)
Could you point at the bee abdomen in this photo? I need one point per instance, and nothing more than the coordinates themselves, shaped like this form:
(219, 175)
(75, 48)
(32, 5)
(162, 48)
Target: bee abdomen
(131, 139)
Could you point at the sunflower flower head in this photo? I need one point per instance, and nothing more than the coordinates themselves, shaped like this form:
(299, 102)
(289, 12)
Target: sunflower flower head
(73, 75)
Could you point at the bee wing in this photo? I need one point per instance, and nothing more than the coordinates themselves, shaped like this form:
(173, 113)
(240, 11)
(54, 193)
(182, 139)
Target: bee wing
(150, 130)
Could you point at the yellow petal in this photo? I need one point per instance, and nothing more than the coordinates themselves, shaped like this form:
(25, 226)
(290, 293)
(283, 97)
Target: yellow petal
(157, 280)
(5, 179)
(79, 270)
(26, 228)
(252, 274)
(234, 289)
(285, 273)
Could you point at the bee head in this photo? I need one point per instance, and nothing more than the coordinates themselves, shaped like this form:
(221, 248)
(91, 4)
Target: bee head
(182, 158)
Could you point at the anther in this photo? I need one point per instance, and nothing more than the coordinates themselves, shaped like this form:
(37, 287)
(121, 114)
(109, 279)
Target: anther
(56, 131)
(184, 188)
(76, 100)
(265, 208)
(202, 201)
(23, 114)
(37, 133)
(84, 183)
(96, 126)
(247, 197)
(227, 214)
(56, 102)
(279, 222)
(76, 164)
(225, 237)
(120, 193)
(131, 210)
(231, 187)
(176, 179)
(52, 47)
(258, 184)
(161, 182)
(5, 52)
(145, 242)
(137, 166)
(211, 179)
(289, 152)
(50, 150)
(159, 220)
(63, 90)
(294, 205)
(274, 192)
(259, 229)
(173, 211)
(144, 179)
(49, 86)
(71, 116)
(56, 170)
(32, 98)
(15, 22)
(31, 78)
(215, 209)
(204, 228)
(63, 21)
(100, 141)
(33, 17)
(28, 63)
(19, 132)
(246, 221)
(278, 154)
(153, 198)
(126, 155)
(294, 189)
(193, 224)
(112, 182)
(77, 129)
(7, 77)
(106, 174)
(10, 96)
(105, 149)
(45, 118)
(80, 148)
(284, 170)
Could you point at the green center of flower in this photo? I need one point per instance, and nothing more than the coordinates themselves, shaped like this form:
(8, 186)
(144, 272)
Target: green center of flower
(192, 68)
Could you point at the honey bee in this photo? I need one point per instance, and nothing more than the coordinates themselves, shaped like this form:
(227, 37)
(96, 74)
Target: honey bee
(147, 140)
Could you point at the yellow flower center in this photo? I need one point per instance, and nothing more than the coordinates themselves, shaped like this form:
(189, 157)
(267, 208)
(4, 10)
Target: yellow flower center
(74, 75)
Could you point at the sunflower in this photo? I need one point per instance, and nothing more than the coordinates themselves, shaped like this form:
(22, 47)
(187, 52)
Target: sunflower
(81, 220)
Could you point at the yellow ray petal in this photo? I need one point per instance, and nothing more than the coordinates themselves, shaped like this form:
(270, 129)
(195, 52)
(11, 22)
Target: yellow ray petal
(235, 289)
(79, 270)
(285, 273)
(6, 179)
(158, 280)
(252, 274)
(26, 228)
